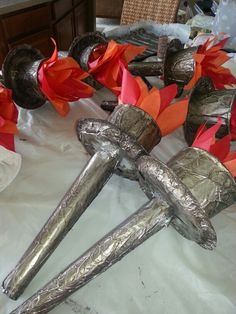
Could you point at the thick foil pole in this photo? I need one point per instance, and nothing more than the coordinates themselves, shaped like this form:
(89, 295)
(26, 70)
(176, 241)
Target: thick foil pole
(82, 192)
(210, 182)
(114, 145)
(146, 68)
(148, 220)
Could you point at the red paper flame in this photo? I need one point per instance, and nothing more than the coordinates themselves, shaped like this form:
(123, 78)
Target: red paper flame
(206, 139)
(233, 121)
(8, 118)
(106, 64)
(155, 102)
(208, 62)
(61, 81)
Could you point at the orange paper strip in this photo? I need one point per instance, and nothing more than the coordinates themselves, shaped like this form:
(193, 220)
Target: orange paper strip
(108, 67)
(173, 117)
(231, 166)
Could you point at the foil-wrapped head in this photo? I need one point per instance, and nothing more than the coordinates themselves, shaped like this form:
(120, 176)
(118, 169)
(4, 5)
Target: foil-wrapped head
(138, 124)
(82, 47)
(179, 64)
(129, 129)
(206, 177)
(205, 105)
(196, 185)
(20, 74)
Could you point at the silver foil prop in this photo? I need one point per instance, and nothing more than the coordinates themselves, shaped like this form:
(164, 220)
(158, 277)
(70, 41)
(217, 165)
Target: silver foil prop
(115, 145)
(82, 47)
(206, 104)
(179, 64)
(192, 188)
(20, 69)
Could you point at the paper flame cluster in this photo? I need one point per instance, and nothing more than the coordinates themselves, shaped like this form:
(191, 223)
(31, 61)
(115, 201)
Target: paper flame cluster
(107, 62)
(209, 59)
(157, 103)
(206, 139)
(61, 82)
(8, 118)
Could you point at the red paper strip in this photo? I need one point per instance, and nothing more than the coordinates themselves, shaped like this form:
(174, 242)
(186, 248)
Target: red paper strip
(167, 94)
(221, 147)
(233, 121)
(8, 118)
(7, 141)
(205, 139)
(61, 81)
(130, 90)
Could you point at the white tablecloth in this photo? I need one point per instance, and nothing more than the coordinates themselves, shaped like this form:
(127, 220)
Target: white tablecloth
(167, 274)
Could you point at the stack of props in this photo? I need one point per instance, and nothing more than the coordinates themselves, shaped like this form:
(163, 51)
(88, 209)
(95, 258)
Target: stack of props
(185, 193)
(115, 145)
(181, 66)
(193, 187)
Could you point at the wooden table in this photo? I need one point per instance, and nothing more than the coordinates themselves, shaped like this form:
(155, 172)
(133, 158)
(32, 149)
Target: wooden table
(34, 22)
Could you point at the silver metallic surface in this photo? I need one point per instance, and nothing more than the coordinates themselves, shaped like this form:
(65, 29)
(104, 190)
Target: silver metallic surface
(157, 178)
(85, 54)
(95, 133)
(179, 64)
(116, 145)
(80, 43)
(138, 124)
(205, 106)
(207, 179)
(109, 105)
(148, 220)
(191, 174)
(84, 60)
(83, 191)
(162, 47)
(146, 68)
(80, 50)
(20, 70)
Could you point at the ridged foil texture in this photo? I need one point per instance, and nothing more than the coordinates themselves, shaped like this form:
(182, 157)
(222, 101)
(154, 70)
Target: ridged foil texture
(114, 145)
(151, 218)
(190, 175)
(205, 106)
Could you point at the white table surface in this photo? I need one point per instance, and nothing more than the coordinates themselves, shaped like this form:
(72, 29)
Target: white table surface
(167, 274)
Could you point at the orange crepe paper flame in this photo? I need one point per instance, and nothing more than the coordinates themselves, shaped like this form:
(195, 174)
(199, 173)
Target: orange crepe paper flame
(60, 81)
(206, 139)
(8, 118)
(155, 102)
(108, 66)
(208, 62)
